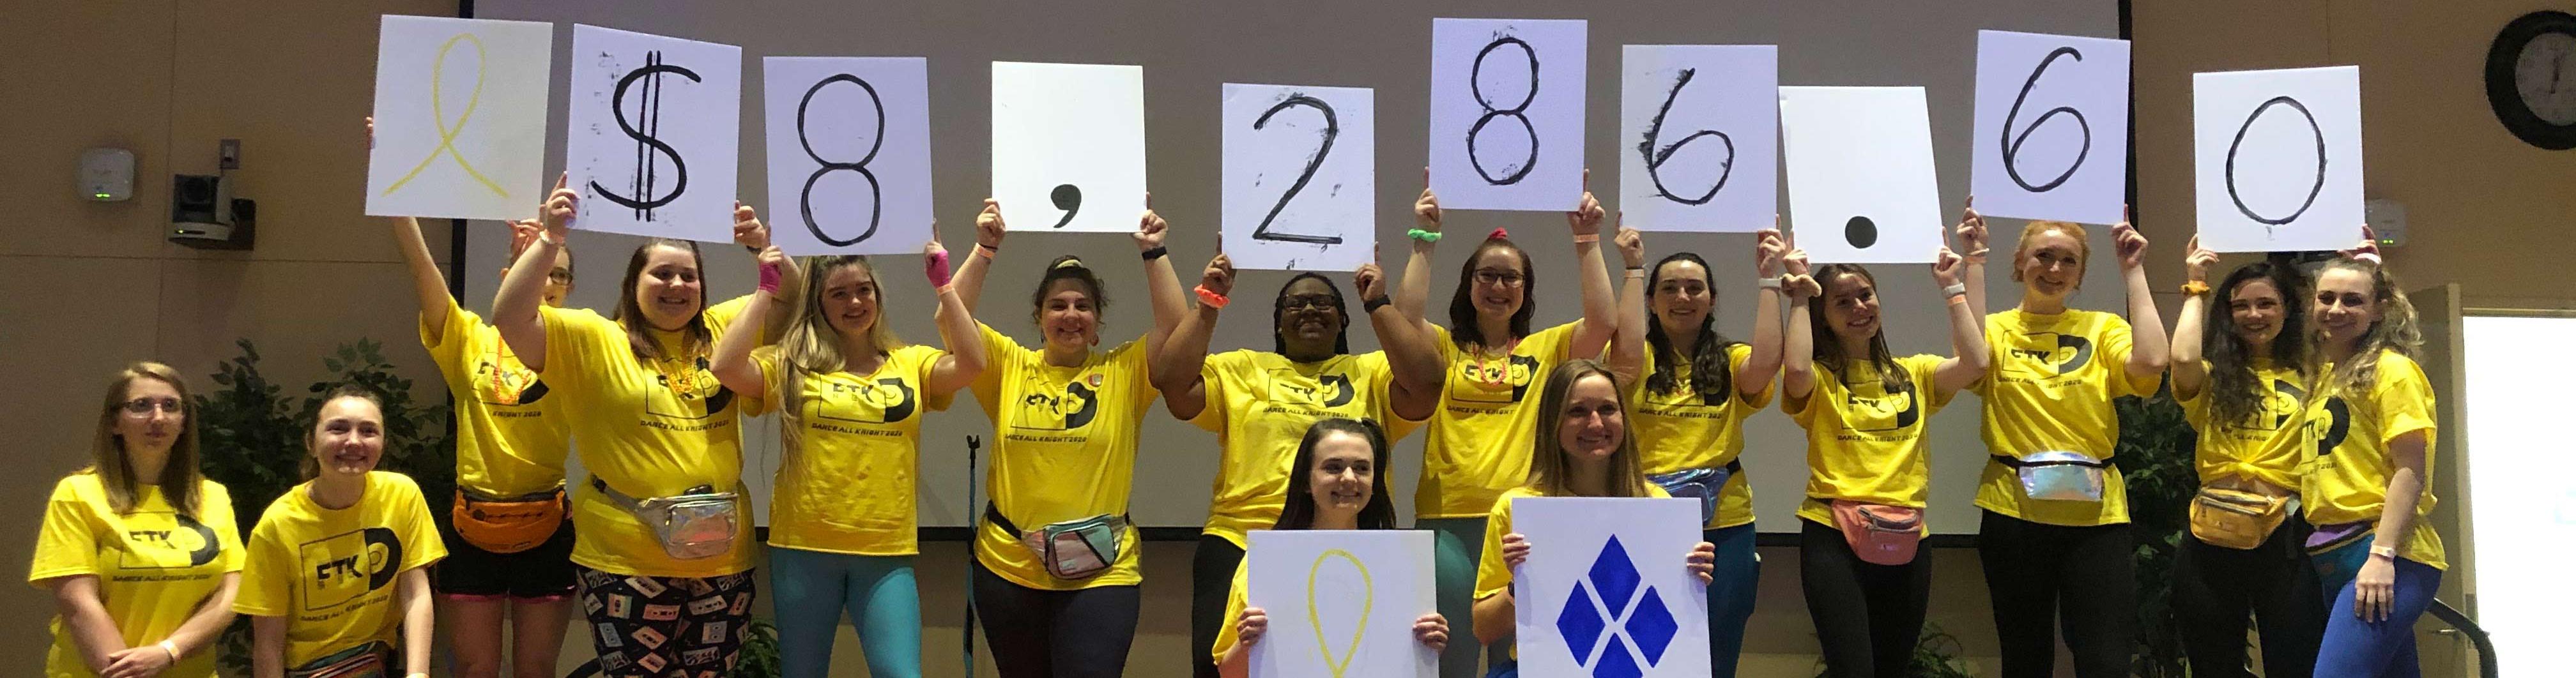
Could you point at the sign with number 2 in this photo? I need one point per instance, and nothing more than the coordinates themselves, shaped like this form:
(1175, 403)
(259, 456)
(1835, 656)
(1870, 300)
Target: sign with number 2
(1300, 178)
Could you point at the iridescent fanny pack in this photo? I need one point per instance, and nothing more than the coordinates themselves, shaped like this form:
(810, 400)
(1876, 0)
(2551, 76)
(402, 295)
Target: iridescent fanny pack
(2059, 476)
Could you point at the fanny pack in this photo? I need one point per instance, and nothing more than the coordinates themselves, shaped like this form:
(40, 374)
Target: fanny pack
(1702, 484)
(697, 524)
(507, 525)
(2331, 537)
(364, 661)
(2225, 515)
(1073, 549)
(1878, 533)
(2059, 476)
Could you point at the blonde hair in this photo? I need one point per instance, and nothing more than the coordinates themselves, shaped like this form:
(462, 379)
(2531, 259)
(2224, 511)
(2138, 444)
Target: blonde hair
(2083, 246)
(812, 345)
(2395, 330)
(1548, 471)
(179, 474)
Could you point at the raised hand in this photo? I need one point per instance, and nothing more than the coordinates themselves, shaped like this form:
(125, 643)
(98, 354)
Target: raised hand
(561, 206)
(2195, 265)
(1972, 231)
(1426, 209)
(1516, 549)
(1371, 281)
(1768, 250)
(2131, 245)
(1219, 276)
(747, 229)
(1946, 266)
(1150, 227)
(1632, 247)
(1586, 217)
(1432, 630)
(988, 226)
(1249, 625)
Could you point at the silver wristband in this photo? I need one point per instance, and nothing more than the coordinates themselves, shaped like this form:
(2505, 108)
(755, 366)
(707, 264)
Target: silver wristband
(1955, 289)
(1770, 283)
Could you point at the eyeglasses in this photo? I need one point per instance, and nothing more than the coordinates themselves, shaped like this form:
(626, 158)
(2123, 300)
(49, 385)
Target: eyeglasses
(1305, 301)
(1501, 278)
(559, 277)
(143, 407)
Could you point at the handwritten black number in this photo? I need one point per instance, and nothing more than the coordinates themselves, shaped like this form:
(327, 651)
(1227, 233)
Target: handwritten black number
(2012, 143)
(2320, 185)
(1332, 128)
(1516, 112)
(1067, 197)
(876, 193)
(647, 148)
(1656, 157)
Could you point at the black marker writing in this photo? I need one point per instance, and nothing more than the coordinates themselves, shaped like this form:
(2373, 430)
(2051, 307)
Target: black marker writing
(876, 193)
(2012, 143)
(1656, 157)
(2320, 185)
(1517, 112)
(647, 148)
(1332, 128)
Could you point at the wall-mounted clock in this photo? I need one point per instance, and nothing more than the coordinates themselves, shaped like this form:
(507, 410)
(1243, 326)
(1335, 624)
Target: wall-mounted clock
(2531, 79)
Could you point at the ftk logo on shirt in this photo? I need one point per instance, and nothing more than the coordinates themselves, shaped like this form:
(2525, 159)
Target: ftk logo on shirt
(160, 540)
(2047, 354)
(347, 567)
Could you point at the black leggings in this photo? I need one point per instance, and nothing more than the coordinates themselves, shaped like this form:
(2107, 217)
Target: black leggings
(1868, 615)
(1211, 579)
(2215, 586)
(2081, 577)
(1035, 633)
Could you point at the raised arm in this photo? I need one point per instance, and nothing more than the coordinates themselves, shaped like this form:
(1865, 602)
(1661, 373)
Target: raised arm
(1798, 347)
(428, 284)
(1413, 291)
(2188, 374)
(1762, 366)
(749, 232)
(966, 356)
(2147, 345)
(1627, 353)
(1176, 360)
(1162, 286)
(1600, 301)
(732, 363)
(969, 281)
(1972, 235)
(1968, 355)
(1410, 353)
(514, 307)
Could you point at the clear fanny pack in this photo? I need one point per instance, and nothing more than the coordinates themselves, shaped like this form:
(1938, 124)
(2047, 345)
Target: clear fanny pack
(1072, 549)
(2059, 476)
(1703, 484)
(700, 523)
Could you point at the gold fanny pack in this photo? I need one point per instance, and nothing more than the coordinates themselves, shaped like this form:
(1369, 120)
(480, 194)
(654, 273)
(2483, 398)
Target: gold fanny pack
(2238, 513)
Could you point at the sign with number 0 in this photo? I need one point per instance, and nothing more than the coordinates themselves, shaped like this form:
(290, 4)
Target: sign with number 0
(2052, 136)
(2277, 156)
(1699, 137)
(1507, 113)
(1300, 177)
(849, 154)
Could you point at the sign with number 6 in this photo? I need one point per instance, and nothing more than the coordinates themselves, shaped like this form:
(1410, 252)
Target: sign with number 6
(2052, 136)
(1300, 176)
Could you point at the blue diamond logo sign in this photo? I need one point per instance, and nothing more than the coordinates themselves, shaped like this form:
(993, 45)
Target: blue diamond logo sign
(1612, 626)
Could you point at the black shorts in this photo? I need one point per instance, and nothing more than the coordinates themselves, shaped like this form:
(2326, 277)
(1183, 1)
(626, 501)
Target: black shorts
(541, 573)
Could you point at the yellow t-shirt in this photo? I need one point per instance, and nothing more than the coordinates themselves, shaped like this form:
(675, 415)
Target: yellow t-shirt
(1492, 576)
(1064, 449)
(508, 443)
(154, 566)
(331, 572)
(1234, 604)
(2267, 446)
(2050, 389)
(1479, 440)
(853, 452)
(1681, 430)
(2348, 466)
(1865, 444)
(650, 430)
(1260, 404)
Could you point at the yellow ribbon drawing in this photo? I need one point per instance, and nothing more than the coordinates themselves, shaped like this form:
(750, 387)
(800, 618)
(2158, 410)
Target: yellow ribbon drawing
(438, 116)
(1368, 599)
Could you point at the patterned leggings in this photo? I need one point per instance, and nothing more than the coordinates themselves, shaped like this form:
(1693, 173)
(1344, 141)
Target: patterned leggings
(657, 627)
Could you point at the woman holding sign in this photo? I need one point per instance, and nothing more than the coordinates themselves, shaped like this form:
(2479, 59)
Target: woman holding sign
(2055, 541)
(2369, 487)
(1582, 449)
(1261, 403)
(1868, 416)
(1490, 359)
(1699, 387)
(2245, 393)
(335, 564)
(850, 398)
(660, 544)
(1056, 574)
(1333, 486)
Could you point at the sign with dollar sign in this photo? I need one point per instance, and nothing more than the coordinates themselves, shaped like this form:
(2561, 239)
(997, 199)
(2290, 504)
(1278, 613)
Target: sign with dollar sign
(653, 133)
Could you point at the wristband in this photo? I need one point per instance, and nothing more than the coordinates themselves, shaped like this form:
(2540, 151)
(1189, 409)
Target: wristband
(1770, 283)
(1586, 238)
(2371, 257)
(1637, 272)
(769, 277)
(2389, 552)
(1372, 305)
(2195, 288)
(986, 251)
(172, 649)
(1955, 289)
(944, 288)
(1156, 253)
(936, 266)
(1979, 254)
(1422, 235)
(1959, 299)
(1210, 298)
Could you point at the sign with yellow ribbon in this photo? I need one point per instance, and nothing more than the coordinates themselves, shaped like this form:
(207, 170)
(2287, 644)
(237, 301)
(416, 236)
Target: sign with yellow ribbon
(1341, 603)
(460, 118)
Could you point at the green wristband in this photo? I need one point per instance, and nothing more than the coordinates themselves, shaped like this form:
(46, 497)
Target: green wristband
(1422, 235)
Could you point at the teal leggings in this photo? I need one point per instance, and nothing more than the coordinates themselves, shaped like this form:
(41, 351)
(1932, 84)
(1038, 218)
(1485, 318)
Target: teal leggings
(810, 589)
(1457, 546)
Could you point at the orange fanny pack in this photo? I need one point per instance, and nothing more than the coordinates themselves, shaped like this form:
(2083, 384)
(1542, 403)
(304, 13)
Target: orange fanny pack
(508, 525)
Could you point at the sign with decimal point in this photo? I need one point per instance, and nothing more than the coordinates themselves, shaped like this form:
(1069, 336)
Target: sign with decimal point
(654, 134)
(2052, 121)
(2277, 159)
(1699, 130)
(1507, 113)
(1069, 146)
(1861, 183)
(1299, 177)
(849, 154)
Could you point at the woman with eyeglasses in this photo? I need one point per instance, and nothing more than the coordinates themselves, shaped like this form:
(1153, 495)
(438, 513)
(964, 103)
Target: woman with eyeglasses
(141, 552)
(1480, 435)
(1261, 404)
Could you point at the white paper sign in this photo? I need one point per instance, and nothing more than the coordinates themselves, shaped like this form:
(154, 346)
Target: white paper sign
(2052, 137)
(1607, 589)
(1341, 603)
(654, 134)
(1699, 133)
(1069, 146)
(2278, 159)
(1300, 177)
(459, 105)
(849, 154)
(1861, 188)
(1507, 113)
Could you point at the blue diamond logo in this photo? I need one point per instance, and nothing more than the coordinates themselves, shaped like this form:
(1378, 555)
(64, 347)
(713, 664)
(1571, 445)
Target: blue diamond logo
(1614, 577)
(1609, 624)
(1617, 663)
(1580, 623)
(1652, 627)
